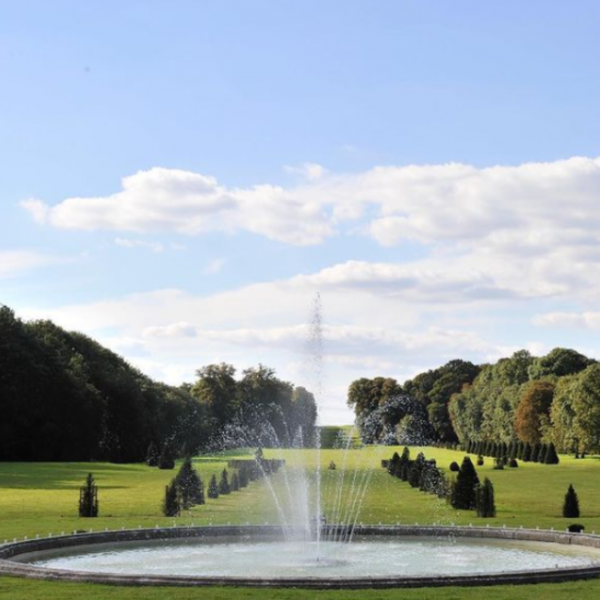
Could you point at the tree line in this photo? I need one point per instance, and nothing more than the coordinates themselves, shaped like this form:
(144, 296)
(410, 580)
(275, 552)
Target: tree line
(553, 399)
(63, 396)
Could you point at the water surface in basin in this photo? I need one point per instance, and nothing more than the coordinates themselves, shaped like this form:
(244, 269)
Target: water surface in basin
(364, 557)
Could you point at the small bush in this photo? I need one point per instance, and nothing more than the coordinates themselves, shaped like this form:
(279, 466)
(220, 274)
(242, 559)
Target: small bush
(331, 466)
(171, 504)
(454, 467)
(88, 498)
(571, 504)
(575, 528)
(213, 488)
(224, 486)
(485, 504)
(480, 461)
(512, 463)
(498, 464)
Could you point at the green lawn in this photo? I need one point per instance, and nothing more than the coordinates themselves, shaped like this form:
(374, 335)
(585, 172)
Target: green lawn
(38, 498)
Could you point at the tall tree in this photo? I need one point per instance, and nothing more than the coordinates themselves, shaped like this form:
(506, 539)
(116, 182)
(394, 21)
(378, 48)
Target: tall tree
(533, 411)
(216, 388)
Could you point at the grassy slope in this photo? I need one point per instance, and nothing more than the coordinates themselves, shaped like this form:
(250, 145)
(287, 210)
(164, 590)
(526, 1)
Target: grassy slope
(42, 498)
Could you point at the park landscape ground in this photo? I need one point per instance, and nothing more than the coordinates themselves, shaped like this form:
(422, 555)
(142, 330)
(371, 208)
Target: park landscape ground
(41, 499)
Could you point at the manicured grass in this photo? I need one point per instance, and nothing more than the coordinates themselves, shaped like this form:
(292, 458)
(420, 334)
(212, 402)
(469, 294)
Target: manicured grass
(38, 498)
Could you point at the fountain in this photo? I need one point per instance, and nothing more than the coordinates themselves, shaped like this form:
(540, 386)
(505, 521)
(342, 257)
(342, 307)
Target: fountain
(317, 542)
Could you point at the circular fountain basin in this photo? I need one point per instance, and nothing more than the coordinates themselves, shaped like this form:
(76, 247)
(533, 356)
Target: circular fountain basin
(377, 557)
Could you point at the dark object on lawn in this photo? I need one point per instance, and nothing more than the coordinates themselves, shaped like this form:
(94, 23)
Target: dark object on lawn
(575, 528)
(88, 498)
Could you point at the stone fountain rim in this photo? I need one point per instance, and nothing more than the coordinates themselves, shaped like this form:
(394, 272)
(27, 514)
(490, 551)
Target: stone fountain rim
(12, 550)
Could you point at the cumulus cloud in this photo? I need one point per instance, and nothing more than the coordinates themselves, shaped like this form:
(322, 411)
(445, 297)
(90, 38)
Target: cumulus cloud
(425, 280)
(214, 266)
(583, 320)
(528, 206)
(16, 262)
(155, 247)
(170, 200)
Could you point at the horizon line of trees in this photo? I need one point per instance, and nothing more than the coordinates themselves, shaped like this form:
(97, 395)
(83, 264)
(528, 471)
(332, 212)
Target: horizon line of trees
(552, 399)
(64, 397)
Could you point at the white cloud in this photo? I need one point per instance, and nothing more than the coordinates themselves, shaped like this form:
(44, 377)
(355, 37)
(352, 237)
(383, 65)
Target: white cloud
(521, 231)
(169, 200)
(156, 247)
(570, 320)
(308, 171)
(16, 262)
(214, 266)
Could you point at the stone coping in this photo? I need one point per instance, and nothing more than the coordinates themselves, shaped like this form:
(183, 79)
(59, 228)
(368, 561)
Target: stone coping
(11, 551)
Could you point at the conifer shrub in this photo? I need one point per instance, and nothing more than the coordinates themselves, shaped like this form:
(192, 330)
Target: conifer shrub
(88, 498)
(479, 461)
(243, 477)
(454, 467)
(571, 504)
(526, 452)
(465, 493)
(213, 488)
(498, 464)
(393, 465)
(485, 504)
(551, 457)
(166, 459)
(171, 503)
(235, 482)
(224, 487)
(512, 463)
(189, 485)
(152, 455)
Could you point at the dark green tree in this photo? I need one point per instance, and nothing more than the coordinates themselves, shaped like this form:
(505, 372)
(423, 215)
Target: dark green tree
(166, 459)
(485, 504)
(464, 492)
(88, 498)
(189, 485)
(394, 465)
(171, 505)
(153, 455)
(571, 504)
(243, 477)
(224, 487)
(551, 457)
(235, 482)
(213, 488)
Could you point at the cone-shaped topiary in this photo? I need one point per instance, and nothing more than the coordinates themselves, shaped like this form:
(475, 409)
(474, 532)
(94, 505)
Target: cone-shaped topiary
(88, 498)
(224, 487)
(213, 488)
(189, 485)
(571, 505)
(243, 477)
(486, 507)
(464, 492)
(166, 459)
(551, 457)
(171, 504)
(152, 455)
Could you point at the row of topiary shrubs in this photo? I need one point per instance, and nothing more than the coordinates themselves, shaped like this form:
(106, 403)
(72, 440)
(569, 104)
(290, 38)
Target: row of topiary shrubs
(187, 488)
(465, 492)
(539, 453)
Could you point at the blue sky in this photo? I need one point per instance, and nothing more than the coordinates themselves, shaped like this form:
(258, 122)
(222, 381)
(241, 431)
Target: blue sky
(179, 179)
